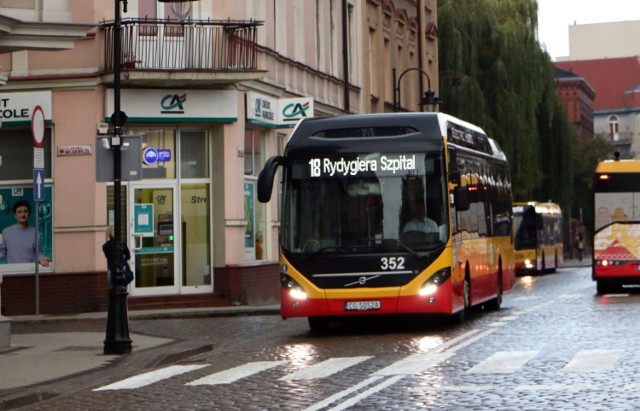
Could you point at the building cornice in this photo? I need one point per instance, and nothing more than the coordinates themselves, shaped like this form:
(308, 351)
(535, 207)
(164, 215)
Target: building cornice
(17, 35)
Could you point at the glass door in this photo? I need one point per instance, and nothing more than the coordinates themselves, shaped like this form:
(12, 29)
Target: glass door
(153, 239)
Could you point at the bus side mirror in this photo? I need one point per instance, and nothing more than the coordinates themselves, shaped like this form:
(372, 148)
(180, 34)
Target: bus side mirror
(461, 198)
(266, 176)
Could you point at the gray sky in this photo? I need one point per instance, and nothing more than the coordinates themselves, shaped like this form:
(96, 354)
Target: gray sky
(555, 17)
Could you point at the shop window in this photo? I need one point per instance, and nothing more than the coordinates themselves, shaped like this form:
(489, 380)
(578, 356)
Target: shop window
(17, 201)
(196, 234)
(254, 211)
(194, 154)
(16, 155)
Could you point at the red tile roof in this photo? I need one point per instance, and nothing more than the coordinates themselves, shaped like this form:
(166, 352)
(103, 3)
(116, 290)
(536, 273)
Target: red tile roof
(616, 80)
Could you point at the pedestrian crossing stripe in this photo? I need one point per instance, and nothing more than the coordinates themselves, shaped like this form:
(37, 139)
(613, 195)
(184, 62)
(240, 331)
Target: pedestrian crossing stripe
(236, 373)
(325, 368)
(501, 362)
(593, 361)
(151, 377)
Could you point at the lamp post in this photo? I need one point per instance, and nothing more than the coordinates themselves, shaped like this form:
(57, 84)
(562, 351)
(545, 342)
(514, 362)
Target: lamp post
(117, 339)
(429, 98)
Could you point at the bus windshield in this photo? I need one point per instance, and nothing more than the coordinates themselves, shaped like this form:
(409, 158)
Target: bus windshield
(525, 227)
(365, 203)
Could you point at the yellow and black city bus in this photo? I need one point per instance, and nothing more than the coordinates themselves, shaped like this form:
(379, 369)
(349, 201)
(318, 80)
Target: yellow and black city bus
(538, 237)
(351, 186)
(616, 249)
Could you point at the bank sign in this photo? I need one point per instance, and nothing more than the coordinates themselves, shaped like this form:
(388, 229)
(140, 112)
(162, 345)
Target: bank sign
(278, 113)
(176, 106)
(16, 109)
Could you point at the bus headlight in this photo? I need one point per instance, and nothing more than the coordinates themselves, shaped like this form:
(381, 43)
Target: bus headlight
(294, 289)
(436, 280)
(528, 263)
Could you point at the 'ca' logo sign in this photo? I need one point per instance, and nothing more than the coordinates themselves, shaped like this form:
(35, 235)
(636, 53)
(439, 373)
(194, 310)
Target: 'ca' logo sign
(172, 103)
(294, 111)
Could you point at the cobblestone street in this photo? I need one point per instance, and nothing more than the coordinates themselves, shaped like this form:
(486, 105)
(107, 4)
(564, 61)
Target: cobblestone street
(554, 345)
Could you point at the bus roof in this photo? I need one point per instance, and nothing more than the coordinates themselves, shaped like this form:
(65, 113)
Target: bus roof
(618, 166)
(467, 134)
(542, 208)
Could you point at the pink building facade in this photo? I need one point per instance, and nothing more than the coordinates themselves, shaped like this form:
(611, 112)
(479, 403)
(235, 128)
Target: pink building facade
(211, 90)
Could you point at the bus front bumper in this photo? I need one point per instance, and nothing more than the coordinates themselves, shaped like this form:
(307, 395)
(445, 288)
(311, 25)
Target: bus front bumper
(438, 303)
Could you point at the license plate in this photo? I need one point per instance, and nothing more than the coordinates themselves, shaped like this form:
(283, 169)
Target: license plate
(361, 305)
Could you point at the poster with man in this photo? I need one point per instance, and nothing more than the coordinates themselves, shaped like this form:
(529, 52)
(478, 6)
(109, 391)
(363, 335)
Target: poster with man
(18, 250)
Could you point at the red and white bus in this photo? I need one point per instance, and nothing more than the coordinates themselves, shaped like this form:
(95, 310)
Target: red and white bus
(616, 249)
(351, 185)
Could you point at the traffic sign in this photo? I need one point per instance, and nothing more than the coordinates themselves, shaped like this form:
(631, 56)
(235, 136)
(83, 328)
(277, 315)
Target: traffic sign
(38, 184)
(38, 157)
(37, 126)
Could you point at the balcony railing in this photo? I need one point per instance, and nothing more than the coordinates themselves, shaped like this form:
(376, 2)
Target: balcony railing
(193, 45)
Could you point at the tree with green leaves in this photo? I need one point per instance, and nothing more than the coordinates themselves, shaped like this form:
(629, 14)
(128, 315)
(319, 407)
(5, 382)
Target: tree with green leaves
(494, 73)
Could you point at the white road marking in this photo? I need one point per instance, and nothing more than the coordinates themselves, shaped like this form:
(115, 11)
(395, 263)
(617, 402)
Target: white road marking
(503, 362)
(411, 365)
(593, 361)
(151, 377)
(236, 373)
(325, 368)
(418, 363)
(554, 387)
(526, 298)
(355, 400)
(489, 387)
(335, 397)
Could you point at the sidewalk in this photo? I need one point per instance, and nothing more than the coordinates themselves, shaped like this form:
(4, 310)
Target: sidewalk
(38, 358)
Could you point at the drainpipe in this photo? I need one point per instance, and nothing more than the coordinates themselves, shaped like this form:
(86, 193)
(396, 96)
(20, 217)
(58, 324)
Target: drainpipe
(420, 10)
(345, 54)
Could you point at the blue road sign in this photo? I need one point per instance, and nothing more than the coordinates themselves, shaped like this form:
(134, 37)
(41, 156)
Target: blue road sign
(38, 184)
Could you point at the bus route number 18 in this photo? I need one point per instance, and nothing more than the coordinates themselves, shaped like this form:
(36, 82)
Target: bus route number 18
(314, 166)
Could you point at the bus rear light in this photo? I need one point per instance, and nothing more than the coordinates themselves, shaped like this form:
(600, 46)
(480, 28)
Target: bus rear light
(294, 289)
(607, 263)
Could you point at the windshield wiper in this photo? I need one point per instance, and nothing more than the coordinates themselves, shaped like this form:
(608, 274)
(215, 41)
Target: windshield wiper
(402, 245)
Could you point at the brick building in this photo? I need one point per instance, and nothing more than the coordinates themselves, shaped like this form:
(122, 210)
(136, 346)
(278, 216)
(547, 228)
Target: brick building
(576, 96)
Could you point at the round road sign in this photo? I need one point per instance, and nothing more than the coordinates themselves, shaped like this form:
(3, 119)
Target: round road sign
(37, 126)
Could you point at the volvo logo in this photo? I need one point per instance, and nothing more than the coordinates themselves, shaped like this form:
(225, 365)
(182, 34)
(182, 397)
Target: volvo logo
(362, 280)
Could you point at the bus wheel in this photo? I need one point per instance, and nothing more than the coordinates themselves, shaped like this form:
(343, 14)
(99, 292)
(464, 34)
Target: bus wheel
(494, 304)
(458, 318)
(319, 323)
(603, 287)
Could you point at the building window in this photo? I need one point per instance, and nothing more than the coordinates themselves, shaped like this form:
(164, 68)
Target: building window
(613, 128)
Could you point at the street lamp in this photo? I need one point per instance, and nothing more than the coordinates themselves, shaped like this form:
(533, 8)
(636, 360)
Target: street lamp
(429, 99)
(117, 339)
